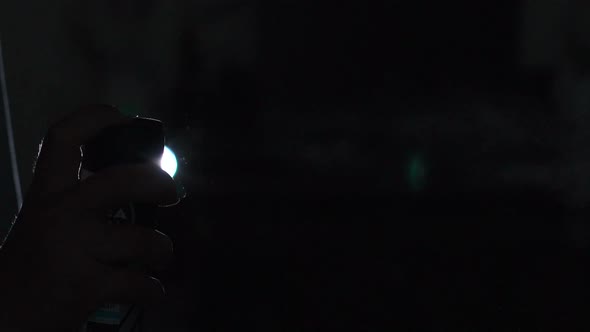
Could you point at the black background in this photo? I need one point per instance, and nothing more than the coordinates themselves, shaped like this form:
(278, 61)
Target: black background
(279, 243)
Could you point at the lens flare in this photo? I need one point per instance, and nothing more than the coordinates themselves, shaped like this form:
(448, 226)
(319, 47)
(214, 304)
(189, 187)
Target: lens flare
(169, 163)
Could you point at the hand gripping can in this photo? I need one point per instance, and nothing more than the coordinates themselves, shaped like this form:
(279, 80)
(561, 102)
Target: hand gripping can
(140, 141)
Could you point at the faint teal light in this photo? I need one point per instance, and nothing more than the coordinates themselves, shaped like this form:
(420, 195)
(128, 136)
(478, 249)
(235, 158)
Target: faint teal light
(129, 110)
(416, 173)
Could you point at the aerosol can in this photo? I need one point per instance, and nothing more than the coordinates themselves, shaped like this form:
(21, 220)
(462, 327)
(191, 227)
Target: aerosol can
(140, 141)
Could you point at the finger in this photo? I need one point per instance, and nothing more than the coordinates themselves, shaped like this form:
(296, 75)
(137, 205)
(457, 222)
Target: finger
(59, 157)
(129, 245)
(131, 287)
(117, 186)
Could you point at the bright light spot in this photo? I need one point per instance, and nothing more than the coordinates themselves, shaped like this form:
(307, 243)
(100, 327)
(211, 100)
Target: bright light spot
(169, 163)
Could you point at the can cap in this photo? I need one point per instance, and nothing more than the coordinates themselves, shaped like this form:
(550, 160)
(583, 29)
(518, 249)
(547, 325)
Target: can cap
(140, 141)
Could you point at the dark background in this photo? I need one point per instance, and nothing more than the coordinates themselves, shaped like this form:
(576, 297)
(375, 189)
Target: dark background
(369, 166)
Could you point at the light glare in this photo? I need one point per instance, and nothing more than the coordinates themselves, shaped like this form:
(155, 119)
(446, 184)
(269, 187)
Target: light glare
(169, 163)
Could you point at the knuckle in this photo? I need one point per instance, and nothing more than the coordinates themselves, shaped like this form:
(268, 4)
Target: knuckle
(128, 236)
(56, 133)
(140, 238)
(159, 244)
(166, 242)
(61, 137)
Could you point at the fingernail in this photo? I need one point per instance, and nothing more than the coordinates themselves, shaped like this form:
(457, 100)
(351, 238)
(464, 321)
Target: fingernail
(166, 241)
(170, 245)
(159, 291)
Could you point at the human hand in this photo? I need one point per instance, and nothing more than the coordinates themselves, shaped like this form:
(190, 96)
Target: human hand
(61, 260)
